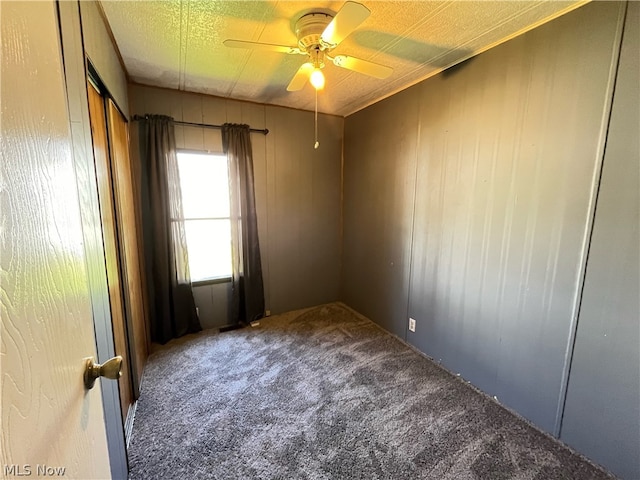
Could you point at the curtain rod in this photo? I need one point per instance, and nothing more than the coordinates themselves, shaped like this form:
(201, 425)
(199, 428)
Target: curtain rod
(264, 131)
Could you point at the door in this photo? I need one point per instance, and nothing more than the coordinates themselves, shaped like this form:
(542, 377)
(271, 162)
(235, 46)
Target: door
(126, 207)
(98, 118)
(50, 423)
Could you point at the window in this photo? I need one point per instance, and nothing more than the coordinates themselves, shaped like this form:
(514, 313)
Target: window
(204, 180)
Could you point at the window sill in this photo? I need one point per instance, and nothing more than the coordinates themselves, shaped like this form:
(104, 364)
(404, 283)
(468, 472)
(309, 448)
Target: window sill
(211, 281)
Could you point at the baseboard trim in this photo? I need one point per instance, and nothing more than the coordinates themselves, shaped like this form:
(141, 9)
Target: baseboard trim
(128, 423)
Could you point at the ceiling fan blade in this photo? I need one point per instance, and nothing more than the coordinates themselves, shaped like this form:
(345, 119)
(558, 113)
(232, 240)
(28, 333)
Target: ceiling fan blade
(301, 77)
(362, 66)
(262, 46)
(350, 16)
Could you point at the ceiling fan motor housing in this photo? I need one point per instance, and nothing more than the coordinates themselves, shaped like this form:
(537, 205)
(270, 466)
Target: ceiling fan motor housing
(309, 29)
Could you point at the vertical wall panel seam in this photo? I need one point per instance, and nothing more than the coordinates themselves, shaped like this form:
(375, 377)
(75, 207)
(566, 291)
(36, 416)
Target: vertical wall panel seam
(341, 251)
(276, 117)
(413, 220)
(593, 200)
(266, 217)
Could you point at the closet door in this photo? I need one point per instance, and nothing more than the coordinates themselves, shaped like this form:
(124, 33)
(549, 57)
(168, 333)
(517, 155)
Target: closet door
(129, 238)
(110, 238)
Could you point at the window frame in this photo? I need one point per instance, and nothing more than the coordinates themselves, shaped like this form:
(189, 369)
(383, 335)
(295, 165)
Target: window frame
(211, 280)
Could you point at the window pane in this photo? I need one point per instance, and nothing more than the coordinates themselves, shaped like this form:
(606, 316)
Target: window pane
(209, 246)
(204, 181)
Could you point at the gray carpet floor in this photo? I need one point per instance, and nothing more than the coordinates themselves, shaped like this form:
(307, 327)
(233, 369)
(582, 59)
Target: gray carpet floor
(323, 393)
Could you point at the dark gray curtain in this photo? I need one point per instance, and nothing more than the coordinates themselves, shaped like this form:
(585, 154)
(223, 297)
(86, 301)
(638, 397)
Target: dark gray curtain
(247, 289)
(171, 305)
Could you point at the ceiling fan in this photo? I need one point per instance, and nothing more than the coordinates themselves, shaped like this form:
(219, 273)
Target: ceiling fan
(318, 34)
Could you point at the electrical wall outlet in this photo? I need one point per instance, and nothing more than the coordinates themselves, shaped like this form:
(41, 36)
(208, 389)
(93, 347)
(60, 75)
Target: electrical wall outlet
(412, 325)
(267, 313)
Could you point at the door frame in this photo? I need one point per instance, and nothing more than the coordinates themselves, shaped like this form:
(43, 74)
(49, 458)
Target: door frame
(75, 78)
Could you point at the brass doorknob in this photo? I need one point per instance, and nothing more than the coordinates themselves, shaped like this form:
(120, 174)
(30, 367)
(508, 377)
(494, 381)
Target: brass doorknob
(112, 369)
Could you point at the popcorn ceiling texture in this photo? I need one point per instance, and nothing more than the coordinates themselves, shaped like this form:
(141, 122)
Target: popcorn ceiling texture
(323, 393)
(179, 44)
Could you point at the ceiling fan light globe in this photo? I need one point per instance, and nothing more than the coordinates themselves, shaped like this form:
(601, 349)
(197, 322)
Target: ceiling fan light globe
(317, 79)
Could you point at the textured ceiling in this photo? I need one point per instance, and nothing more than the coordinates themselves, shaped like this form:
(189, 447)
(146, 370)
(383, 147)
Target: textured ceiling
(178, 44)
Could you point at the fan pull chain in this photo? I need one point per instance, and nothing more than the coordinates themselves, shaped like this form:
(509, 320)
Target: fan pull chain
(317, 144)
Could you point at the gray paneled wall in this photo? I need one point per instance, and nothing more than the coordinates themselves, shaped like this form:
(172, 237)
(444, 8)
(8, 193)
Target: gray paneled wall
(509, 146)
(379, 182)
(304, 198)
(468, 202)
(602, 412)
(297, 192)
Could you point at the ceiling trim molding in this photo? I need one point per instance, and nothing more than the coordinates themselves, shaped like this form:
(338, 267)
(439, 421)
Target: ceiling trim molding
(189, 92)
(478, 52)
